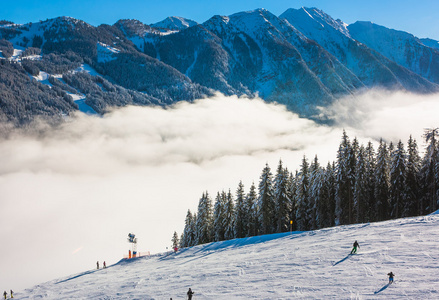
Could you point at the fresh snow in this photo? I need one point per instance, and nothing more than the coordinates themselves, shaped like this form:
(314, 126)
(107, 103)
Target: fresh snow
(306, 265)
(106, 53)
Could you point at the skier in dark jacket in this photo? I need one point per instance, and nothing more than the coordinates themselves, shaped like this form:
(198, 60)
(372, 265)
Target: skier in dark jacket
(189, 294)
(354, 249)
(391, 275)
(5, 294)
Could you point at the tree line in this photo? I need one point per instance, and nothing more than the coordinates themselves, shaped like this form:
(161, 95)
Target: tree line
(362, 185)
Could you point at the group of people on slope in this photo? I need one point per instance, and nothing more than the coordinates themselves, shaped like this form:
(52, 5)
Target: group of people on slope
(6, 294)
(354, 250)
(104, 265)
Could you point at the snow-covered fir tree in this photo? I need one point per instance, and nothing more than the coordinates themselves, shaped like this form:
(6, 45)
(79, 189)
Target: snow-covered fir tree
(412, 205)
(382, 183)
(266, 203)
(330, 186)
(282, 199)
(229, 217)
(302, 196)
(175, 240)
(188, 234)
(241, 219)
(429, 171)
(315, 191)
(345, 181)
(292, 190)
(218, 217)
(398, 178)
(251, 210)
(369, 200)
(204, 220)
(361, 187)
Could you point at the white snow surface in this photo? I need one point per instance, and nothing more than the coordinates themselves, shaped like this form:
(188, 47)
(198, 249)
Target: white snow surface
(306, 265)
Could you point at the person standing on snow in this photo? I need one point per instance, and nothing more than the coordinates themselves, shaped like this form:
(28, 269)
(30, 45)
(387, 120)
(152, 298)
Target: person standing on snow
(5, 294)
(189, 294)
(105, 265)
(354, 249)
(12, 294)
(97, 265)
(391, 275)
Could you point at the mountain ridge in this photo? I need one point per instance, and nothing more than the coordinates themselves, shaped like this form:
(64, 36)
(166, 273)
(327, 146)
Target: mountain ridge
(303, 59)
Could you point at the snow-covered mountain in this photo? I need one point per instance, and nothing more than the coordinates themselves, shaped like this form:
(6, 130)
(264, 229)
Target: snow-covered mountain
(304, 265)
(401, 47)
(302, 58)
(371, 67)
(175, 23)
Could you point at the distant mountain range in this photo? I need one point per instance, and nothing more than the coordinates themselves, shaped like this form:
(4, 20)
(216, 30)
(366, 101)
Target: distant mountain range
(303, 58)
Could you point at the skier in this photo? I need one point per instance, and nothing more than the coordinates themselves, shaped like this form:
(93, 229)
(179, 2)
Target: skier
(391, 275)
(97, 265)
(354, 249)
(105, 265)
(6, 294)
(189, 294)
(12, 294)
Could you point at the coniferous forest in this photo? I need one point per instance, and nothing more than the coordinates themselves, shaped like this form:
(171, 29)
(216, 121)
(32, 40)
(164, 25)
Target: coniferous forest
(363, 185)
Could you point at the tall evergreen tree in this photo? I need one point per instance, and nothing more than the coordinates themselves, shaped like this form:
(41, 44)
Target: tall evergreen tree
(360, 188)
(330, 186)
(398, 179)
(175, 240)
(369, 201)
(266, 203)
(382, 183)
(281, 198)
(345, 181)
(412, 203)
(229, 217)
(251, 211)
(218, 217)
(302, 218)
(205, 220)
(292, 194)
(315, 191)
(241, 213)
(429, 170)
(187, 233)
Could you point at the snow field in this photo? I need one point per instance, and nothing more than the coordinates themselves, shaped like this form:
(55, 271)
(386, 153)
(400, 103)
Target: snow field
(308, 265)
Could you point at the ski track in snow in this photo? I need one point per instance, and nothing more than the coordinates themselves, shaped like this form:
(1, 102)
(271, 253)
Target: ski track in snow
(309, 265)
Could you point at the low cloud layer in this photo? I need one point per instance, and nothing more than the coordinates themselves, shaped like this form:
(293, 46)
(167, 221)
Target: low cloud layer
(71, 194)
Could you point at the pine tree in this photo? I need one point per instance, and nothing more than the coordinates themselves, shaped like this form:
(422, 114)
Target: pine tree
(281, 198)
(266, 203)
(412, 203)
(251, 211)
(369, 201)
(330, 186)
(360, 188)
(205, 220)
(315, 191)
(218, 217)
(187, 234)
(429, 170)
(229, 217)
(345, 181)
(175, 240)
(382, 183)
(241, 214)
(302, 218)
(292, 191)
(398, 179)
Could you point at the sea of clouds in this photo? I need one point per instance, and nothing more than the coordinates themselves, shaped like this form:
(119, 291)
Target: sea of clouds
(70, 194)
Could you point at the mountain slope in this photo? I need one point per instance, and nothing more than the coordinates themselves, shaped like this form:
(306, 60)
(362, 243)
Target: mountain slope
(401, 47)
(307, 265)
(371, 67)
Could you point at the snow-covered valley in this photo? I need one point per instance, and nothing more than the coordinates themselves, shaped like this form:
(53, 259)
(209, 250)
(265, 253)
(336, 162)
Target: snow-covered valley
(308, 265)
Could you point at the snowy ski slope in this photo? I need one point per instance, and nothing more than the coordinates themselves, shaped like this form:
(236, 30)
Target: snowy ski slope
(308, 265)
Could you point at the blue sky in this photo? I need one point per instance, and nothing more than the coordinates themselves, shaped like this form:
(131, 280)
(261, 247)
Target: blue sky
(417, 17)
